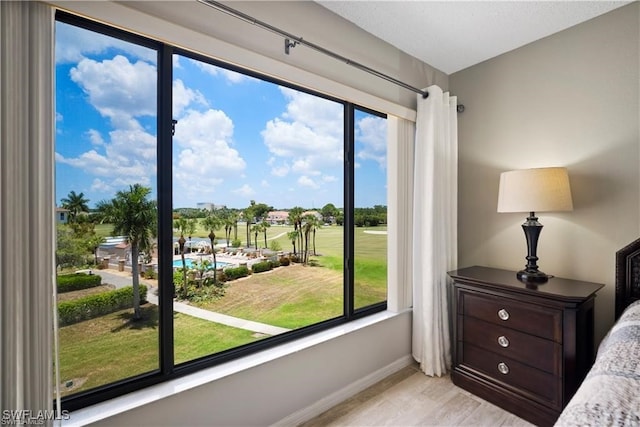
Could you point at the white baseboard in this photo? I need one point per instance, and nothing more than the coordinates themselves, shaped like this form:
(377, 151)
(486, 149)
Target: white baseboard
(305, 414)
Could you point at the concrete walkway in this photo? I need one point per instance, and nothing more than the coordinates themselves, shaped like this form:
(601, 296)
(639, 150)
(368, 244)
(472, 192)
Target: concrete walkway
(122, 279)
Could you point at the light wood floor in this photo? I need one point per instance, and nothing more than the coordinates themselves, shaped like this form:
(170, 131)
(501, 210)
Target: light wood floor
(410, 398)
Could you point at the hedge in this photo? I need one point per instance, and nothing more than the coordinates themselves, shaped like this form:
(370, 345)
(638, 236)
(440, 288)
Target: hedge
(75, 282)
(261, 266)
(74, 311)
(232, 273)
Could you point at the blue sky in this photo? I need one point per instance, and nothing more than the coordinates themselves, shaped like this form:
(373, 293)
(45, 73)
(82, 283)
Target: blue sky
(237, 139)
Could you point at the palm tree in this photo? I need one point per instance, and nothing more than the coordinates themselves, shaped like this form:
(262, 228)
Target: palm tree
(188, 227)
(248, 217)
(307, 226)
(265, 226)
(257, 228)
(212, 222)
(295, 218)
(135, 217)
(315, 224)
(75, 203)
(293, 236)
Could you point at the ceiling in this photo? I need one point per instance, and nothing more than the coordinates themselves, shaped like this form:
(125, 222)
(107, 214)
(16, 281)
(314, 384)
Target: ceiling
(453, 35)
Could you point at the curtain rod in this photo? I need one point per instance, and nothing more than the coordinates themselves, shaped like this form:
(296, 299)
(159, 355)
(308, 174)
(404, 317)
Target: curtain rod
(288, 43)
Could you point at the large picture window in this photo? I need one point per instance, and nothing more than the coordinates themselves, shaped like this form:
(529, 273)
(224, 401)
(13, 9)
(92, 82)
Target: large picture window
(205, 211)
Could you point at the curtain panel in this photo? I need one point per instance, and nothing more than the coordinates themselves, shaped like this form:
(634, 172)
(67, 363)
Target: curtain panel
(434, 221)
(27, 207)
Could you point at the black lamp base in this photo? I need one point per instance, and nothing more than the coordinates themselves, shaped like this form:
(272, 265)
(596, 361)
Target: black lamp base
(532, 276)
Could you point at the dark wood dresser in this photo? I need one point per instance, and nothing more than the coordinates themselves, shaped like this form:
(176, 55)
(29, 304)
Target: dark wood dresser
(523, 348)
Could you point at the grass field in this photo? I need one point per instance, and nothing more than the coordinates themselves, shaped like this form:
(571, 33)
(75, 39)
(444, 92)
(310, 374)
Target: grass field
(111, 348)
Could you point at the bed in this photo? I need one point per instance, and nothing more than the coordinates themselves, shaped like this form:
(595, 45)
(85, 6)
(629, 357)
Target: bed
(610, 393)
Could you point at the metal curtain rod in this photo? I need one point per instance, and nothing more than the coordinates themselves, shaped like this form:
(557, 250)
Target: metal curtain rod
(299, 40)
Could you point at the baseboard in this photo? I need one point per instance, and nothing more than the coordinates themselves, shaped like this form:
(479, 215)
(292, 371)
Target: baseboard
(305, 414)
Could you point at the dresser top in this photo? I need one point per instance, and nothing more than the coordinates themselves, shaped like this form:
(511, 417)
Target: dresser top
(556, 287)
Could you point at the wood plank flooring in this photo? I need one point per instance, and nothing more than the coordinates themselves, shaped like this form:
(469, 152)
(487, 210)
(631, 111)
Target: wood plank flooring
(410, 398)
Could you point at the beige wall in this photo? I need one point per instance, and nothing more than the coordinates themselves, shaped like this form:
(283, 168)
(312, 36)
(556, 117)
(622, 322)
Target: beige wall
(568, 100)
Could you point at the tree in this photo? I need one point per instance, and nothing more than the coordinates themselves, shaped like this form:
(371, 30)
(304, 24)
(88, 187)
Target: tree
(315, 223)
(256, 230)
(265, 225)
(134, 216)
(75, 203)
(307, 227)
(249, 214)
(293, 237)
(188, 227)
(295, 218)
(329, 213)
(212, 222)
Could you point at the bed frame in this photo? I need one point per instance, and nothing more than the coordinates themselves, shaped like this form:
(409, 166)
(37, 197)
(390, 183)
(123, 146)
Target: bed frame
(627, 276)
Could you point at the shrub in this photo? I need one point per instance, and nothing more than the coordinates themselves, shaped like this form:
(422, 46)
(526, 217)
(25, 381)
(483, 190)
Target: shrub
(284, 260)
(236, 243)
(74, 311)
(275, 246)
(261, 266)
(75, 282)
(232, 273)
(275, 263)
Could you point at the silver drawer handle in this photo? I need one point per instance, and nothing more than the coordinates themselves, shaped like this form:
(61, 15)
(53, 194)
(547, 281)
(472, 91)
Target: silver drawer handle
(503, 368)
(503, 341)
(503, 314)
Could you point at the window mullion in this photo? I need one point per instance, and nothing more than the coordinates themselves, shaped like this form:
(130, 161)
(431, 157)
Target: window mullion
(165, 208)
(349, 138)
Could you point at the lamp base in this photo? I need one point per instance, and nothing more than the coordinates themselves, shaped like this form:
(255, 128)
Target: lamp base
(532, 276)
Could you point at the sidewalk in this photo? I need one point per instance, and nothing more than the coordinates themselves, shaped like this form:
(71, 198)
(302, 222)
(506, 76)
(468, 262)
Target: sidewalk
(122, 279)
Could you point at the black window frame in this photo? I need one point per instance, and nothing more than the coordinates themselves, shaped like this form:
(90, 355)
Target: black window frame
(167, 369)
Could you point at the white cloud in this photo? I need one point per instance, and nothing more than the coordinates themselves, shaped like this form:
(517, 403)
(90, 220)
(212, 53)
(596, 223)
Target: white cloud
(280, 171)
(128, 157)
(95, 137)
(101, 186)
(184, 96)
(117, 88)
(305, 181)
(371, 134)
(308, 134)
(59, 117)
(205, 157)
(230, 76)
(74, 43)
(245, 191)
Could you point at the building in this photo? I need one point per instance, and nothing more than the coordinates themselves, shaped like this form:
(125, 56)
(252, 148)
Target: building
(278, 217)
(525, 106)
(62, 215)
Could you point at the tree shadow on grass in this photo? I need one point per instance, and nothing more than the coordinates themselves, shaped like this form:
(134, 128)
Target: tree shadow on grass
(149, 319)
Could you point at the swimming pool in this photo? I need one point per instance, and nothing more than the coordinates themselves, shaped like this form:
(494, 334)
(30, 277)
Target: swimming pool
(189, 263)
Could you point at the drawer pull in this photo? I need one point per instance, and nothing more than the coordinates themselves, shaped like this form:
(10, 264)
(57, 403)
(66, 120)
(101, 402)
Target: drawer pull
(503, 341)
(503, 368)
(503, 314)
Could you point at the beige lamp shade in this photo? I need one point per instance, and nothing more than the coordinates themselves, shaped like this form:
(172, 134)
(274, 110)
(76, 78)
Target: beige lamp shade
(535, 190)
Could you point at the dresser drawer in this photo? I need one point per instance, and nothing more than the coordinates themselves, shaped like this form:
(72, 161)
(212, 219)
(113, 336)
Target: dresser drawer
(541, 386)
(529, 318)
(539, 353)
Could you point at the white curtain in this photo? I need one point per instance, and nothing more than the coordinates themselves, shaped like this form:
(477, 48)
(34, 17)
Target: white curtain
(435, 217)
(26, 206)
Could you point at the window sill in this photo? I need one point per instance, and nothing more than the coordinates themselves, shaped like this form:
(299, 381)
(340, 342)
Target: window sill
(166, 389)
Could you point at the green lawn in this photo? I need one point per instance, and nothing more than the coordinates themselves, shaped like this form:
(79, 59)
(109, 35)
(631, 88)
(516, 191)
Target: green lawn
(111, 348)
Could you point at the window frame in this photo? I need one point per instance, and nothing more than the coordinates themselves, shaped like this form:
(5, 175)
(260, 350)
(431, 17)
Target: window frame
(167, 369)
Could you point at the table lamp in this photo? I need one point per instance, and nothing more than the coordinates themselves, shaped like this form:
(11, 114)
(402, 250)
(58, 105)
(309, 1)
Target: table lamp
(534, 190)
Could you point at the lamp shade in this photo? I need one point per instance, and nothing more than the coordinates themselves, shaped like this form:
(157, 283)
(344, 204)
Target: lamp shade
(535, 190)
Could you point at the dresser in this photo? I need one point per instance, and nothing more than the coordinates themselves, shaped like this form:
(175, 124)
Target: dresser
(525, 348)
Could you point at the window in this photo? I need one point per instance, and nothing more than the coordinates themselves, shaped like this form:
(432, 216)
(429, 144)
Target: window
(246, 211)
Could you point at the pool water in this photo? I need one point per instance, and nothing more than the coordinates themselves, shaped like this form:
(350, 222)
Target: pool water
(189, 263)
